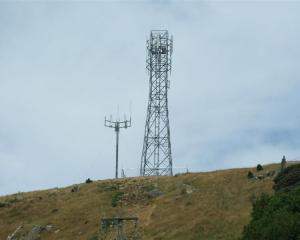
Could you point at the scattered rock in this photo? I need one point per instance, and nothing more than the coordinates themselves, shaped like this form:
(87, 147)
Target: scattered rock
(48, 228)
(154, 193)
(22, 233)
(37, 229)
(267, 174)
(260, 177)
(189, 189)
(186, 188)
(54, 210)
(11, 237)
(270, 174)
(75, 188)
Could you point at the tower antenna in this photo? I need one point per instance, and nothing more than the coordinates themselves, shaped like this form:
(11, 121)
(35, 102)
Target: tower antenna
(156, 155)
(117, 125)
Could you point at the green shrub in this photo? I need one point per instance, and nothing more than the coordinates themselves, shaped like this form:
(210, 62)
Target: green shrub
(2, 204)
(250, 175)
(116, 197)
(88, 180)
(287, 178)
(259, 167)
(111, 188)
(275, 217)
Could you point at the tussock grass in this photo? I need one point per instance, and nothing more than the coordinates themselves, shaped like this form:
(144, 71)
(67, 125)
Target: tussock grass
(214, 205)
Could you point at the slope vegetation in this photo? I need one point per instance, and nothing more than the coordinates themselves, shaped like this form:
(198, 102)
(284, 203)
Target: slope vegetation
(213, 205)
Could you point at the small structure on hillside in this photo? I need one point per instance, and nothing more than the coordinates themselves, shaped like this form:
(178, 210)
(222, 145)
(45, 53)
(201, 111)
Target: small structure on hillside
(119, 228)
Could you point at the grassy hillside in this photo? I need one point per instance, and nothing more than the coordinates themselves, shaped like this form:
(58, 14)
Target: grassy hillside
(213, 205)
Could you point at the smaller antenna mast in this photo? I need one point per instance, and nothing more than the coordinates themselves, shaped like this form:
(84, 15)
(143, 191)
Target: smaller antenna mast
(117, 125)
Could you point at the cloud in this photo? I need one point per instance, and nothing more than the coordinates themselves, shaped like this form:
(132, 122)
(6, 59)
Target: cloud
(64, 66)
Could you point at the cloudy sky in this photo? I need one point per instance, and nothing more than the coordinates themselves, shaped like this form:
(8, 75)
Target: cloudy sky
(234, 97)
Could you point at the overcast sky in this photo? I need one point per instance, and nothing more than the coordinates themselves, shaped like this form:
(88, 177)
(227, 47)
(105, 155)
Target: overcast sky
(234, 98)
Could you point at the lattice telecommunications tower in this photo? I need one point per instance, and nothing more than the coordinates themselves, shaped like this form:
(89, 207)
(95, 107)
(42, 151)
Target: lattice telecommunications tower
(156, 156)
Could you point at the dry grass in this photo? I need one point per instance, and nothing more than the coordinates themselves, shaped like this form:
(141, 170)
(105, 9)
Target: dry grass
(214, 205)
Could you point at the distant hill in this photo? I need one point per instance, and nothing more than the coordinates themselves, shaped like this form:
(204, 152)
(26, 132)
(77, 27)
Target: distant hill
(210, 205)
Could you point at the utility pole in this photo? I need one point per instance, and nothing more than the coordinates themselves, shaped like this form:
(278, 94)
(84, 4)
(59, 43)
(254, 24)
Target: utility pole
(117, 125)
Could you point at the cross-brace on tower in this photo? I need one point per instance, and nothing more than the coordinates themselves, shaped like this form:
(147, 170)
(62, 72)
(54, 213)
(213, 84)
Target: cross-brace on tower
(156, 156)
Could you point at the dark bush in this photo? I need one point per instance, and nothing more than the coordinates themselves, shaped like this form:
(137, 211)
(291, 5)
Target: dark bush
(259, 167)
(250, 175)
(88, 180)
(287, 178)
(2, 204)
(275, 217)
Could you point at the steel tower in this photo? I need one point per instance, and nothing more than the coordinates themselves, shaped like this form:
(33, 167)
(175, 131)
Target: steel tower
(156, 156)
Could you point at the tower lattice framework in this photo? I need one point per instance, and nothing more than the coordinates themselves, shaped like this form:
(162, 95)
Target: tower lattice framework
(156, 156)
